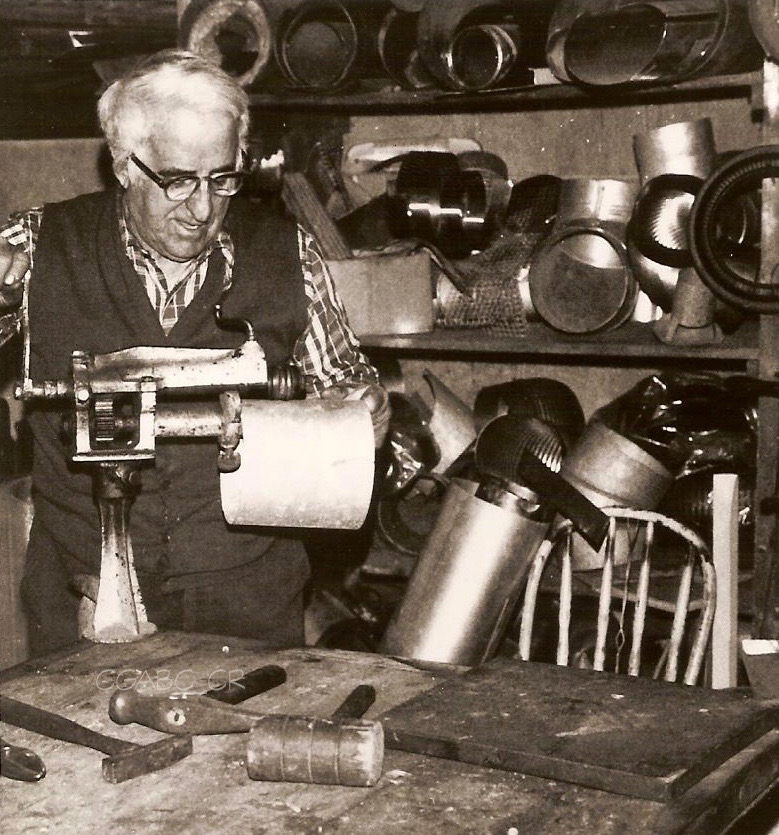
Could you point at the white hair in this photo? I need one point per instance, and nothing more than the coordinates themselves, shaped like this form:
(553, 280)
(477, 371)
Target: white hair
(161, 83)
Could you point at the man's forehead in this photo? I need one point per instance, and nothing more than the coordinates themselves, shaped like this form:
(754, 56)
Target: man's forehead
(198, 123)
(190, 140)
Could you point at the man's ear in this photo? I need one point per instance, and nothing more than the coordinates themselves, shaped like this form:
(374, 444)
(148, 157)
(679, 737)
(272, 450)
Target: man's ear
(121, 172)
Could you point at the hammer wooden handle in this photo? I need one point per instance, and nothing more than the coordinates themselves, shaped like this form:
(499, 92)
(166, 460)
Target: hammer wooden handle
(195, 714)
(356, 703)
(190, 714)
(252, 684)
(53, 725)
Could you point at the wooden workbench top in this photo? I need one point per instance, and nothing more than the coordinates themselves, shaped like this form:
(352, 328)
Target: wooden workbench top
(210, 790)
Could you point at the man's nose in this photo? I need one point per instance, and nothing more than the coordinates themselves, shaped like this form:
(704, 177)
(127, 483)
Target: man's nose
(200, 202)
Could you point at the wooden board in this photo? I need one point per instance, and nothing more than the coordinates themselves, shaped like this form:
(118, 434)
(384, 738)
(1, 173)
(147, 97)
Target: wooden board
(632, 736)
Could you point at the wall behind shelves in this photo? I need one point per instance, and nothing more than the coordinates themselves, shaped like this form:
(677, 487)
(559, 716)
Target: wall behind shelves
(581, 142)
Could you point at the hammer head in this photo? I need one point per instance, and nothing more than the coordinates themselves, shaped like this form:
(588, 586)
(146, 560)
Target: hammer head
(136, 760)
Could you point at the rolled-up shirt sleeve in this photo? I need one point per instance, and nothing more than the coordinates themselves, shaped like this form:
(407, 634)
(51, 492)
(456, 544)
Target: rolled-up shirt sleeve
(21, 229)
(328, 352)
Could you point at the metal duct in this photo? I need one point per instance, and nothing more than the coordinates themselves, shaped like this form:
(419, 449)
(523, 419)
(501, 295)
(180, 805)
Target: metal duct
(543, 398)
(581, 279)
(235, 34)
(731, 267)
(663, 41)
(477, 44)
(673, 161)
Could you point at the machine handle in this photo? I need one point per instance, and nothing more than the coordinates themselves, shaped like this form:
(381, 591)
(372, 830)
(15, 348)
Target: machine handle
(589, 520)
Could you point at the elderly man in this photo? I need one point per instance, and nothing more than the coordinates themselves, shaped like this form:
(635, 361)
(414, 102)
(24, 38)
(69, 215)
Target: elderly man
(144, 264)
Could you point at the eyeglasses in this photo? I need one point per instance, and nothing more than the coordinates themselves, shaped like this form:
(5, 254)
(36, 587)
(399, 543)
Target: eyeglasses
(182, 187)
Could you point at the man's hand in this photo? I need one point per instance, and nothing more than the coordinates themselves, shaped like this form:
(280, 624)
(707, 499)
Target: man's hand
(14, 263)
(375, 397)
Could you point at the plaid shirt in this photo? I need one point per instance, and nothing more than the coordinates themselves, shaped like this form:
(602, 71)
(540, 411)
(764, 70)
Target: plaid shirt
(327, 352)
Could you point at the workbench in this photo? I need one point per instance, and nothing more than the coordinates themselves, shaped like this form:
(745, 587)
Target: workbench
(210, 791)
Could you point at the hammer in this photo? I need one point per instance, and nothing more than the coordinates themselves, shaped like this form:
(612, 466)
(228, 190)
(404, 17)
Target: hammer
(342, 750)
(125, 759)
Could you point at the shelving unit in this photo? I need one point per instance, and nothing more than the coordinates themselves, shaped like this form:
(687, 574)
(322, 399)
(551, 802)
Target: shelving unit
(380, 97)
(633, 342)
(752, 349)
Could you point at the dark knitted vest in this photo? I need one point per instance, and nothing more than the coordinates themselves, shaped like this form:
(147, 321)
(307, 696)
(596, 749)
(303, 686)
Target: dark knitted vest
(84, 294)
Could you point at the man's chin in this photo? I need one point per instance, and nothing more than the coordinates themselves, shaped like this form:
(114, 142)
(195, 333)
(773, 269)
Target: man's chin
(186, 250)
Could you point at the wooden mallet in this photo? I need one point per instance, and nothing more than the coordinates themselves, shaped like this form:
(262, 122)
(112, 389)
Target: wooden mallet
(343, 750)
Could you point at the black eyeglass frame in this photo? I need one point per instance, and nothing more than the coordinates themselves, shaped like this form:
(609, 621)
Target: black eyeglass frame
(212, 179)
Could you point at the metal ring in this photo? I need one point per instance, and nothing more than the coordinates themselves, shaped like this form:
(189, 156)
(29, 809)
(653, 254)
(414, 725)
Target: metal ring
(327, 14)
(548, 304)
(742, 173)
(203, 20)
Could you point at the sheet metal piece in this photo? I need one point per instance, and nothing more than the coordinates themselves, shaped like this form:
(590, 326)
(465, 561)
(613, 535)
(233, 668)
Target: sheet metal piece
(303, 464)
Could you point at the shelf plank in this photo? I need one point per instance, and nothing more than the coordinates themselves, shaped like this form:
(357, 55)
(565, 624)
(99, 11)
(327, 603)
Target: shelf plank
(382, 98)
(633, 341)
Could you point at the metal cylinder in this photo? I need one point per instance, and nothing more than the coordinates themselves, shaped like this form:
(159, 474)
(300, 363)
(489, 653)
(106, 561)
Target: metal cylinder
(482, 56)
(306, 463)
(466, 581)
(610, 470)
(678, 148)
(301, 749)
(475, 44)
(317, 44)
(235, 34)
(693, 301)
(663, 40)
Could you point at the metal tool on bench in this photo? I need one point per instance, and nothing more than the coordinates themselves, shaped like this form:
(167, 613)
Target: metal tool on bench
(19, 763)
(232, 692)
(118, 413)
(125, 759)
(343, 750)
